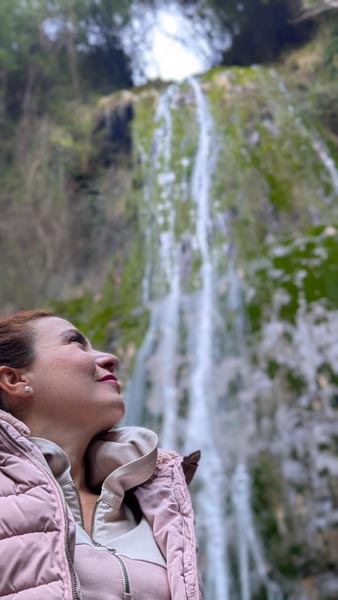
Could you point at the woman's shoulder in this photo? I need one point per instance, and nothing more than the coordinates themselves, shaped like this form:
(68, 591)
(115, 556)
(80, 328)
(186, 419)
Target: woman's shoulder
(169, 461)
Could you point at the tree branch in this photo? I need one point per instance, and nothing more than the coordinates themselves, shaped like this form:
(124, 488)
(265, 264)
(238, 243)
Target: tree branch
(308, 12)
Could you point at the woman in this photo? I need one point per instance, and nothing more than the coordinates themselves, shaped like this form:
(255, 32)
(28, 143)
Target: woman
(86, 511)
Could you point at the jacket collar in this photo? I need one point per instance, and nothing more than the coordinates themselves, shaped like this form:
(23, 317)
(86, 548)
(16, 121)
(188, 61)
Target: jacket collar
(14, 422)
(117, 460)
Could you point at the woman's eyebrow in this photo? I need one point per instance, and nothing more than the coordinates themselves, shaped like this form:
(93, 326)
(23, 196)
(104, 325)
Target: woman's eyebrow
(68, 332)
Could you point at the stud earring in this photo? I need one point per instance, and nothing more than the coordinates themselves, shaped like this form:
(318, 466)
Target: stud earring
(28, 389)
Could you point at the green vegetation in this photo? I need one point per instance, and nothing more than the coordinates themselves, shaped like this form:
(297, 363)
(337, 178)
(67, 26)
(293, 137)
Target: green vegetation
(288, 555)
(303, 268)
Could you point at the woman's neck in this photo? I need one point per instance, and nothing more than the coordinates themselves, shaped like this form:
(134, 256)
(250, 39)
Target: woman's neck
(74, 443)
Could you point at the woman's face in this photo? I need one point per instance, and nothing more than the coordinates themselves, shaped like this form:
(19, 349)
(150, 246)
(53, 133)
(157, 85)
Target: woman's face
(73, 383)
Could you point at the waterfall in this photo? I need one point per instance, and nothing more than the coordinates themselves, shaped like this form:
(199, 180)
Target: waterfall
(176, 362)
(247, 540)
(164, 313)
(234, 197)
(199, 430)
(135, 393)
(165, 383)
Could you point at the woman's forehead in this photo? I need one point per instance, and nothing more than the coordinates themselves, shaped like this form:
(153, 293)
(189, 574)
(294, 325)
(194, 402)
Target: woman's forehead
(52, 327)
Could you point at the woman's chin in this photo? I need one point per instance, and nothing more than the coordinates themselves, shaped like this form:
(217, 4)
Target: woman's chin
(117, 413)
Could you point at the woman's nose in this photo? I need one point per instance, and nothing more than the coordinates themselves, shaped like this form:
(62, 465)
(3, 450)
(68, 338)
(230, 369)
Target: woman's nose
(107, 361)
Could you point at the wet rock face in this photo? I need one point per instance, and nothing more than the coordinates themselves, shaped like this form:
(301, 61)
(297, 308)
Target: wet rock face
(298, 350)
(112, 130)
(238, 211)
(224, 313)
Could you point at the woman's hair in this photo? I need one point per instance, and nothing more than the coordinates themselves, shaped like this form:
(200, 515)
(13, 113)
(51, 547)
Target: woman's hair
(17, 337)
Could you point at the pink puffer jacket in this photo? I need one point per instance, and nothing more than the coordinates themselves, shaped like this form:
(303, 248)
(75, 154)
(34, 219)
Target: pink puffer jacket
(37, 530)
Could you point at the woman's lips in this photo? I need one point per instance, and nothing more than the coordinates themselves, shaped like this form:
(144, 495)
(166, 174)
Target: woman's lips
(110, 379)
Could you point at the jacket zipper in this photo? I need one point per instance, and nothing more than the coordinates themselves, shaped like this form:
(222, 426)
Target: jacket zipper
(64, 507)
(125, 576)
(124, 570)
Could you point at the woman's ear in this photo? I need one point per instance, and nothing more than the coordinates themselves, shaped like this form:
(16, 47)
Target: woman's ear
(14, 384)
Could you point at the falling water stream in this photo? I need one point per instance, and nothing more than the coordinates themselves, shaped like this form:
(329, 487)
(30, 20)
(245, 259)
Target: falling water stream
(199, 428)
(175, 364)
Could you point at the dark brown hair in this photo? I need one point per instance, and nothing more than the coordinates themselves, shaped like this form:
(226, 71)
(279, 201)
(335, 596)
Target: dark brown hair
(17, 339)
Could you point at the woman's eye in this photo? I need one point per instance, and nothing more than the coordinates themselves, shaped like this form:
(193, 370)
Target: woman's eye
(76, 338)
